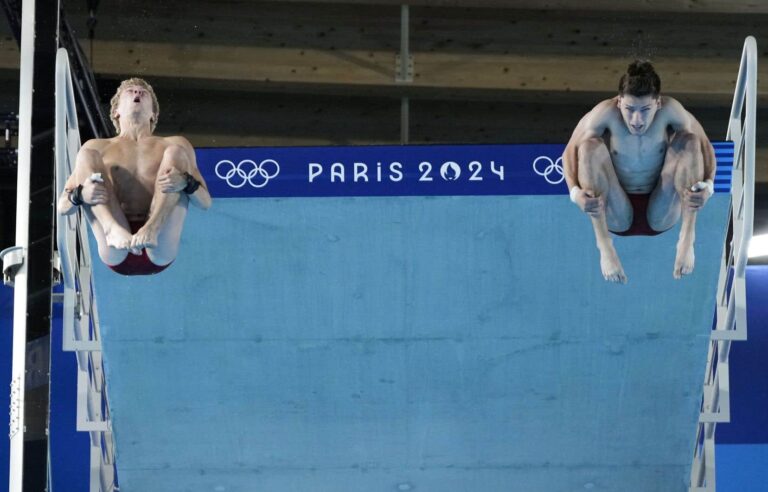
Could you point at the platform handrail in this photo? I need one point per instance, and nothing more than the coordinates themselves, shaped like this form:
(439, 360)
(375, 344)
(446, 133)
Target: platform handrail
(731, 306)
(80, 314)
(743, 136)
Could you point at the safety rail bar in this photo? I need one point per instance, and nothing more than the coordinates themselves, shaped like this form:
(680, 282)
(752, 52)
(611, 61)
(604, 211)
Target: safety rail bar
(731, 300)
(85, 86)
(80, 314)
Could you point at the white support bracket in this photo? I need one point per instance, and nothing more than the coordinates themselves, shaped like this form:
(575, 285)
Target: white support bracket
(12, 258)
(404, 69)
(717, 407)
(57, 275)
(89, 418)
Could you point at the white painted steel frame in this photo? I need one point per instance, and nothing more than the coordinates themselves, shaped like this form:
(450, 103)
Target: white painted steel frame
(731, 300)
(26, 76)
(80, 316)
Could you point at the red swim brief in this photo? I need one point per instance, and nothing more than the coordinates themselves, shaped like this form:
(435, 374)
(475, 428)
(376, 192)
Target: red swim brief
(137, 264)
(640, 226)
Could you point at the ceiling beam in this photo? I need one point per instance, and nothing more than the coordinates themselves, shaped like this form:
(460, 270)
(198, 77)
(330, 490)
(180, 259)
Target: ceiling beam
(627, 6)
(365, 70)
(687, 6)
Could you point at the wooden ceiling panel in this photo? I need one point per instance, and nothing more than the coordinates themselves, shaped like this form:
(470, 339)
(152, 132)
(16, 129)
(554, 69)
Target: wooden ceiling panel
(324, 72)
(364, 27)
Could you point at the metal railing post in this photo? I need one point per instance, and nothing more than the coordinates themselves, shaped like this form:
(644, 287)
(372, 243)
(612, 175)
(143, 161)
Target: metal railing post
(80, 316)
(731, 323)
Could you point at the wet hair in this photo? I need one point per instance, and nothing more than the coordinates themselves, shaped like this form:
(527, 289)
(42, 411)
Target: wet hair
(116, 99)
(640, 80)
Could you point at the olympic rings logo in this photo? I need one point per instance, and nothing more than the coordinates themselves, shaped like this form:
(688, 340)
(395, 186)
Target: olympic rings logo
(247, 171)
(555, 167)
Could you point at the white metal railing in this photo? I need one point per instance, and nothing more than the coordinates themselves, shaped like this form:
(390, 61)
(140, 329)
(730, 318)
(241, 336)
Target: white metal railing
(80, 316)
(731, 301)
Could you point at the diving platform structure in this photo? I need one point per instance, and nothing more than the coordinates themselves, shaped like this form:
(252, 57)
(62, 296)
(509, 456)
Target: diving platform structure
(336, 322)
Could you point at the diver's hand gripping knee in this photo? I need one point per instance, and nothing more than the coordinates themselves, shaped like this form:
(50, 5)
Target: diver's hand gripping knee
(697, 196)
(587, 201)
(94, 192)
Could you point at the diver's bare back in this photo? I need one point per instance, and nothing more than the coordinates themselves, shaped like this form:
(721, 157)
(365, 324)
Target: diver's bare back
(637, 159)
(133, 167)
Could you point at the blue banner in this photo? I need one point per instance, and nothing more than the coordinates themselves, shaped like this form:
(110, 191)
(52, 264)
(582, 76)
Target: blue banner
(396, 170)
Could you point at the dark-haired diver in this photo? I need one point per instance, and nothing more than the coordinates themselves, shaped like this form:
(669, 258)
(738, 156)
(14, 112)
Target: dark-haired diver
(637, 162)
(134, 188)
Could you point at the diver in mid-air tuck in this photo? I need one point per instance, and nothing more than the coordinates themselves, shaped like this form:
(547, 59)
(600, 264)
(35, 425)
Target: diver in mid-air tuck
(635, 164)
(135, 188)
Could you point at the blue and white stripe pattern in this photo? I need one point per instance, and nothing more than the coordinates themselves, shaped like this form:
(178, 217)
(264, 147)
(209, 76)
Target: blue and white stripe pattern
(724, 155)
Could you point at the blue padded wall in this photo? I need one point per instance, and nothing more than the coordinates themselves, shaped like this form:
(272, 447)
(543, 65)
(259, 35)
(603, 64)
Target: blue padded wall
(6, 340)
(410, 343)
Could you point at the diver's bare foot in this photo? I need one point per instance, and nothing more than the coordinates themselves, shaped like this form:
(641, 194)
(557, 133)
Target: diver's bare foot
(611, 265)
(146, 237)
(117, 237)
(684, 260)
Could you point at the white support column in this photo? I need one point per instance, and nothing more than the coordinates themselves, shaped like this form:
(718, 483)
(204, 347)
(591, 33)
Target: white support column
(18, 380)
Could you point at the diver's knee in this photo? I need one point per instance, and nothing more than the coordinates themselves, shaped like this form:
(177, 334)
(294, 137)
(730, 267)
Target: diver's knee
(93, 160)
(592, 148)
(175, 154)
(685, 141)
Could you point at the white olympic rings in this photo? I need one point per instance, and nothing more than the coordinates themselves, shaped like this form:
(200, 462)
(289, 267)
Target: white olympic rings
(553, 167)
(258, 175)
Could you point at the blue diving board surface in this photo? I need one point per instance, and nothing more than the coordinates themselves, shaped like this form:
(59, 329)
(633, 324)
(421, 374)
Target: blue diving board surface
(435, 342)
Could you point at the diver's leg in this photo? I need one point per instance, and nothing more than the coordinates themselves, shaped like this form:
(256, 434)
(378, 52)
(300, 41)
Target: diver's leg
(683, 168)
(597, 178)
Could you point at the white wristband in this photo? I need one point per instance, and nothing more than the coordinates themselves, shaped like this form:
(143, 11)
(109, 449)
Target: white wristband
(704, 185)
(574, 191)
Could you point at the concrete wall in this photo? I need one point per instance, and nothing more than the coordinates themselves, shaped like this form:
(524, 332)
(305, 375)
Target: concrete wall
(425, 343)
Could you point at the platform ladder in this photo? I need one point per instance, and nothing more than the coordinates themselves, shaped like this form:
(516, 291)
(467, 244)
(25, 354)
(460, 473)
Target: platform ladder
(80, 314)
(731, 304)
